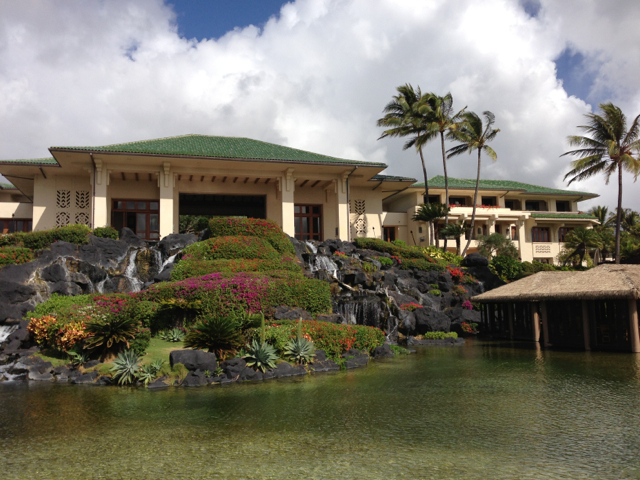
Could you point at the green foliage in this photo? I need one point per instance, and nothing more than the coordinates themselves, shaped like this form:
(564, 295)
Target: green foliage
(41, 239)
(261, 356)
(436, 335)
(368, 267)
(77, 357)
(506, 267)
(388, 247)
(192, 223)
(180, 371)
(106, 232)
(197, 268)
(57, 304)
(399, 243)
(420, 264)
(399, 350)
(231, 248)
(299, 349)
(15, 255)
(529, 268)
(148, 373)
(218, 334)
(144, 312)
(496, 244)
(141, 341)
(439, 254)
(110, 334)
(384, 261)
(174, 335)
(125, 367)
(265, 229)
(435, 292)
(367, 338)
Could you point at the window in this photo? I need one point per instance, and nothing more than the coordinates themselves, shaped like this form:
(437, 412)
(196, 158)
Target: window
(434, 199)
(512, 204)
(540, 234)
(514, 233)
(460, 201)
(562, 233)
(548, 261)
(141, 216)
(389, 234)
(491, 201)
(563, 206)
(532, 206)
(10, 225)
(308, 222)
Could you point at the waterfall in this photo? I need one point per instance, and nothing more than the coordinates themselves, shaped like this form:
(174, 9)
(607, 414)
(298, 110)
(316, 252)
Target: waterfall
(168, 261)
(5, 331)
(325, 263)
(312, 247)
(131, 272)
(100, 285)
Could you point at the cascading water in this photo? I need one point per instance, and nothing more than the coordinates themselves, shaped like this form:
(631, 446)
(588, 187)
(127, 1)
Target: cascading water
(131, 273)
(322, 262)
(312, 247)
(5, 331)
(168, 261)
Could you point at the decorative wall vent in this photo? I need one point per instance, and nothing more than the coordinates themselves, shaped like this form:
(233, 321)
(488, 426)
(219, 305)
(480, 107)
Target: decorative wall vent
(82, 199)
(361, 226)
(543, 249)
(62, 219)
(63, 199)
(358, 207)
(82, 218)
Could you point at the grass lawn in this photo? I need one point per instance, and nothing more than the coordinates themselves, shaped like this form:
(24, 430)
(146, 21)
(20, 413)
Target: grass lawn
(160, 349)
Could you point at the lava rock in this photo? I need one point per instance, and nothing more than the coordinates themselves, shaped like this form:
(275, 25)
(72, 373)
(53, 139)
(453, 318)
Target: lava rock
(355, 358)
(164, 275)
(382, 351)
(250, 374)
(41, 367)
(171, 244)
(283, 369)
(104, 380)
(194, 360)
(131, 239)
(291, 313)
(194, 379)
(332, 318)
(233, 368)
(86, 378)
(407, 321)
(325, 366)
(390, 279)
(321, 356)
(475, 260)
(428, 320)
(39, 377)
(158, 384)
(91, 364)
(489, 279)
(19, 368)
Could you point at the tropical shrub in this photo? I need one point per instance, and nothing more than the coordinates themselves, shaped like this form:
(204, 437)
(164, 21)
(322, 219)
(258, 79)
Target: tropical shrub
(469, 327)
(439, 254)
(496, 244)
(506, 267)
(435, 292)
(459, 290)
(141, 341)
(174, 335)
(384, 261)
(15, 255)
(265, 229)
(110, 334)
(230, 248)
(59, 304)
(436, 335)
(145, 312)
(148, 373)
(192, 223)
(368, 267)
(198, 268)
(410, 306)
(223, 294)
(261, 356)
(399, 243)
(41, 239)
(300, 349)
(457, 275)
(388, 247)
(49, 332)
(219, 334)
(125, 367)
(106, 232)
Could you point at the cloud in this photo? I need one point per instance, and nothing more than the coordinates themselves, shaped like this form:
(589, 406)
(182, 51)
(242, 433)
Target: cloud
(316, 77)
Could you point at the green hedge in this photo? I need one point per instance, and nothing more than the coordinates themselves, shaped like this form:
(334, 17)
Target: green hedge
(38, 240)
(231, 248)
(106, 232)
(15, 255)
(252, 227)
(198, 268)
(388, 247)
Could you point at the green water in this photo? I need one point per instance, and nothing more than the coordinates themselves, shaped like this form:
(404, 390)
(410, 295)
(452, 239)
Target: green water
(480, 411)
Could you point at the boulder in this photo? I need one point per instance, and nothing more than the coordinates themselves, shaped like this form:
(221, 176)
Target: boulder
(428, 320)
(283, 369)
(321, 356)
(104, 380)
(91, 364)
(325, 366)
(39, 377)
(291, 313)
(157, 384)
(382, 351)
(41, 367)
(19, 368)
(489, 279)
(250, 374)
(172, 244)
(21, 334)
(194, 379)
(85, 378)
(475, 260)
(128, 237)
(332, 318)
(407, 321)
(164, 275)
(194, 360)
(233, 368)
(355, 358)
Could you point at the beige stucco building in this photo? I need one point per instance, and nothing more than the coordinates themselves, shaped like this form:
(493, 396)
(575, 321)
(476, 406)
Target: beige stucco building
(147, 185)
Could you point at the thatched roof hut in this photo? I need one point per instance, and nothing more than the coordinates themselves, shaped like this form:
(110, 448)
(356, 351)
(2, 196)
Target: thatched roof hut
(600, 283)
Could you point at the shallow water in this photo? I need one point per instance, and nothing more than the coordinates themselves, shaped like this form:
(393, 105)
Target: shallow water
(492, 410)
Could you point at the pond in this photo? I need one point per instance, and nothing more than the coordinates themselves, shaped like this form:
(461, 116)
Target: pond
(485, 410)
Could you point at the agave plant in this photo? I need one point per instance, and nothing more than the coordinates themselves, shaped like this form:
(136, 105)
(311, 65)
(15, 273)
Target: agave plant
(111, 334)
(299, 349)
(148, 373)
(77, 358)
(173, 335)
(261, 356)
(221, 335)
(125, 367)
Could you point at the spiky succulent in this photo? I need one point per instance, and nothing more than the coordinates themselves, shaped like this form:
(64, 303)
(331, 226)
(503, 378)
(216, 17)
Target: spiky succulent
(173, 335)
(300, 350)
(125, 367)
(261, 356)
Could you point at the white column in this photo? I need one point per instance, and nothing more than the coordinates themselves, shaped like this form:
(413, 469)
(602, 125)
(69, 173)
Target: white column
(166, 184)
(522, 240)
(286, 187)
(343, 208)
(100, 206)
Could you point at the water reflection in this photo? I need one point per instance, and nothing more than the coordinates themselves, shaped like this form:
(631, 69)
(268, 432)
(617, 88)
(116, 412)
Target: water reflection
(486, 410)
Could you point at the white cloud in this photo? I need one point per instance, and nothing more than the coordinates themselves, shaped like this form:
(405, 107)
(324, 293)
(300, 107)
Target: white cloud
(93, 72)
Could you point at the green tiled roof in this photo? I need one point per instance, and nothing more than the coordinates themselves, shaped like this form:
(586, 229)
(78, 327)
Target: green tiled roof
(7, 186)
(563, 215)
(470, 183)
(222, 147)
(391, 178)
(30, 161)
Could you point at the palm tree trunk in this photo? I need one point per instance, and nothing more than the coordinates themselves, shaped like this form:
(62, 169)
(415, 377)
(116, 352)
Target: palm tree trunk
(475, 201)
(425, 199)
(446, 186)
(457, 245)
(619, 213)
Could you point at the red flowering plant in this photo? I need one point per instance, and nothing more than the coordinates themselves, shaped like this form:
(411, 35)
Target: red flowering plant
(469, 327)
(396, 258)
(410, 306)
(340, 254)
(15, 255)
(457, 275)
(459, 290)
(467, 305)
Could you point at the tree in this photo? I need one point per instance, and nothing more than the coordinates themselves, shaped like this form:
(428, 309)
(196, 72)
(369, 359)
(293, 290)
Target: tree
(497, 245)
(403, 119)
(605, 219)
(429, 213)
(580, 240)
(607, 148)
(441, 119)
(474, 135)
(455, 230)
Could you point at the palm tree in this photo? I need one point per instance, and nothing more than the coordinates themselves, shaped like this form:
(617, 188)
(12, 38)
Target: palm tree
(605, 219)
(609, 147)
(429, 213)
(455, 230)
(403, 119)
(582, 239)
(440, 120)
(474, 135)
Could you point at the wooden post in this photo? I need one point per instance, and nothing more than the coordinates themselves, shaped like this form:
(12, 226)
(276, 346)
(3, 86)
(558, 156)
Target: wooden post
(535, 318)
(633, 324)
(585, 325)
(545, 326)
(510, 315)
